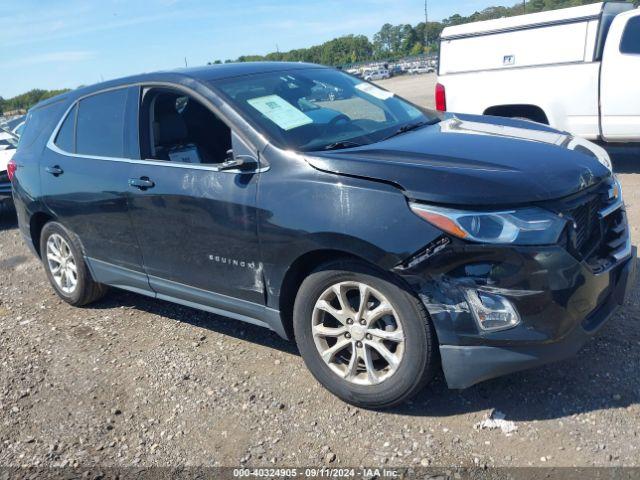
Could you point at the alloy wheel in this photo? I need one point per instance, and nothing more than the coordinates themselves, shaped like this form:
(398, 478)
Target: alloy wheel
(62, 264)
(358, 333)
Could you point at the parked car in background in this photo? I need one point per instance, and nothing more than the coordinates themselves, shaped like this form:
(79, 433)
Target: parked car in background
(14, 125)
(380, 74)
(323, 92)
(389, 241)
(7, 142)
(5, 136)
(575, 69)
(421, 69)
(7, 150)
(396, 70)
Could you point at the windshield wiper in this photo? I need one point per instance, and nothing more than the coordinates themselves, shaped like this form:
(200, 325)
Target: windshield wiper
(411, 126)
(341, 144)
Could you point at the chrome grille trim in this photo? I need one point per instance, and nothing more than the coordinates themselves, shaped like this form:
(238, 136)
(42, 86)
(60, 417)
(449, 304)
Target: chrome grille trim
(605, 212)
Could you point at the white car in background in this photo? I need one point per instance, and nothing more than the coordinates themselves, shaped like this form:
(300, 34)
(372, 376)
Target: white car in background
(5, 136)
(8, 147)
(380, 74)
(421, 69)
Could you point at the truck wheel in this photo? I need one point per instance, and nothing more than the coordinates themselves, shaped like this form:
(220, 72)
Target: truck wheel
(65, 266)
(363, 336)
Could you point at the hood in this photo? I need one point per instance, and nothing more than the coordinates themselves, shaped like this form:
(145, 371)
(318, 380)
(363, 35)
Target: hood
(476, 160)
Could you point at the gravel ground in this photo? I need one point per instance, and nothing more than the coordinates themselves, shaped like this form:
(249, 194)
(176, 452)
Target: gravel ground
(134, 381)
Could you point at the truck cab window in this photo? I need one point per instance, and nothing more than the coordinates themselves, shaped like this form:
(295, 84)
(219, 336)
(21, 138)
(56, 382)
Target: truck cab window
(631, 38)
(177, 128)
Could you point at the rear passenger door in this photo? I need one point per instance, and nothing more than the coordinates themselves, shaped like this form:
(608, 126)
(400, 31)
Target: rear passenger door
(84, 174)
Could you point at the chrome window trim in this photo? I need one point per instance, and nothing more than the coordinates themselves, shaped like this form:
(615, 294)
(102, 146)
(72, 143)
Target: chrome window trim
(261, 141)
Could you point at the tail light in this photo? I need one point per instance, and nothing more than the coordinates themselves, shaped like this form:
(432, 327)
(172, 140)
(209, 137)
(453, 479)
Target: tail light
(11, 169)
(441, 98)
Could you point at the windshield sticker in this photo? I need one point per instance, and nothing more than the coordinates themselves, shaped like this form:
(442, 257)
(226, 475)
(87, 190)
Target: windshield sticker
(374, 91)
(280, 112)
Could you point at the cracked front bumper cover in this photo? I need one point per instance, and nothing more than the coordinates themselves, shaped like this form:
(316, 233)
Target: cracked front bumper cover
(561, 302)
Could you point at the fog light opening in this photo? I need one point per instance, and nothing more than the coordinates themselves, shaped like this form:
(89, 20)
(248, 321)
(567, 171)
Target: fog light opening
(492, 312)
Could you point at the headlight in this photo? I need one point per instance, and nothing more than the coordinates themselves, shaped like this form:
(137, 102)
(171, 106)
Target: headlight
(525, 226)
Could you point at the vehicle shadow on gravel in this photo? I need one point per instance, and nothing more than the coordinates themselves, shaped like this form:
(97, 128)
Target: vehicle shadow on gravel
(602, 376)
(197, 318)
(8, 221)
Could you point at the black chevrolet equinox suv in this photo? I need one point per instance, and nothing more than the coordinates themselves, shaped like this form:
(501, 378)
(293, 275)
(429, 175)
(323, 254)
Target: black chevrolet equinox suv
(389, 241)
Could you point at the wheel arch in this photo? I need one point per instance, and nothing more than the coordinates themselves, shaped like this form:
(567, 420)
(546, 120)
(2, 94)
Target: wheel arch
(306, 263)
(300, 269)
(36, 223)
(529, 111)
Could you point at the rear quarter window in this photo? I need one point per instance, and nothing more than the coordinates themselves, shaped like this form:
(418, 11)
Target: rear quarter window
(39, 123)
(631, 37)
(100, 124)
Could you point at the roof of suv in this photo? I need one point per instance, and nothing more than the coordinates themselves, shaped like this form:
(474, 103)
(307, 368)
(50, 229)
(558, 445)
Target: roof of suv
(205, 73)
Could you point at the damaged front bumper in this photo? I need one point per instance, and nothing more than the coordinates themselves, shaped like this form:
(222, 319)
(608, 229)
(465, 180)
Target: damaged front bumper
(560, 301)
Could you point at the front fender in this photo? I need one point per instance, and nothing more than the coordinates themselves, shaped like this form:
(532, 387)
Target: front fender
(302, 210)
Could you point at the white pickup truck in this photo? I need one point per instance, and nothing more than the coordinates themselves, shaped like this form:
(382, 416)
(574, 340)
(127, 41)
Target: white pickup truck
(576, 69)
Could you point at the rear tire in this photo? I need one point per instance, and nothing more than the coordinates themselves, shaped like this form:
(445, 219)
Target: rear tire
(387, 358)
(66, 269)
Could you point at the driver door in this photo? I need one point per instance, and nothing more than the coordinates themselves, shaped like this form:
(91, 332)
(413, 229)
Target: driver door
(196, 222)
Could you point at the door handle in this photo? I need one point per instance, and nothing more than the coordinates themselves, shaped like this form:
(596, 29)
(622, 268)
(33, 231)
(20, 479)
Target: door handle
(142, 183)
(55, 170)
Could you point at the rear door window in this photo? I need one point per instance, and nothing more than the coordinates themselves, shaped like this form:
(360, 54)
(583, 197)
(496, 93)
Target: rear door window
(66, 135)
(631, 37)
(100, 124)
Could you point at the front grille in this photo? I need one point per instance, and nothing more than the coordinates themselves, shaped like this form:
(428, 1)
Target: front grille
(586, 225)
(4, 177)
(598, 231)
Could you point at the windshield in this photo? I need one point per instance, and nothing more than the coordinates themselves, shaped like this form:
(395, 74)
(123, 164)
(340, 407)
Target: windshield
(320, 109)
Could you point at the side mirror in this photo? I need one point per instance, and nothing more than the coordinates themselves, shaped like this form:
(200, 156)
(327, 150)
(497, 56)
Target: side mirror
(244, 163)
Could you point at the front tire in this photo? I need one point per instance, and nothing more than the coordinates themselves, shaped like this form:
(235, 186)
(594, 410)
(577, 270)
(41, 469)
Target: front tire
(363, 335)
(66, 269)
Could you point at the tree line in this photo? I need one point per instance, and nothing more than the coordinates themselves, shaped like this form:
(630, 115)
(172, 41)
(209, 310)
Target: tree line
(390, 43)
(27, 100)
(397, 41)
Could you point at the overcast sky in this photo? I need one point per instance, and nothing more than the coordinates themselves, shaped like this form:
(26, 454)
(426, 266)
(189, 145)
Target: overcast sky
(65, 43)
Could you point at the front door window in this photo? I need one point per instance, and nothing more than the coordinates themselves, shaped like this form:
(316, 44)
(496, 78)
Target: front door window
(181, 129)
